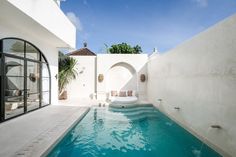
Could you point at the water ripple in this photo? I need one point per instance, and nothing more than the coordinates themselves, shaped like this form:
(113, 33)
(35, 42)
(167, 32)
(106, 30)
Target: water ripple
(136, 132)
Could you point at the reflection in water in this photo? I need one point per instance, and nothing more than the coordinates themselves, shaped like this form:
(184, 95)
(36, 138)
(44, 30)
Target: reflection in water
(130, 133)
(95, 115)
(169, 123)
(196, 153)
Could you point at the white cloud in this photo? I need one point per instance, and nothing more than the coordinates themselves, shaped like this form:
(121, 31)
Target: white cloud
(75, 20)
(202, 3)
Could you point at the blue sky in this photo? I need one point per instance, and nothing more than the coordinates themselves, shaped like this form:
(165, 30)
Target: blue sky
(149, 23)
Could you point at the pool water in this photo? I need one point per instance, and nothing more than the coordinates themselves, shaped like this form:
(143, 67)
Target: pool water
(129, 132)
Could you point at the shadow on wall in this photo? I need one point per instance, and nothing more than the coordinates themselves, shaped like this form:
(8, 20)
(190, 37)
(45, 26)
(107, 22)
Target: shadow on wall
(123, 76)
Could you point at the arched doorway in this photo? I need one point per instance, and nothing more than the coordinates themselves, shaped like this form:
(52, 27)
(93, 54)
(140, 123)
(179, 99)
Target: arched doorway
(25, 79)
(121, 76)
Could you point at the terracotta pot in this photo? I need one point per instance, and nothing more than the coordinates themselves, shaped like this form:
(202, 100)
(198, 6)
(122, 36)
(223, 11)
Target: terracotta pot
(63, 95)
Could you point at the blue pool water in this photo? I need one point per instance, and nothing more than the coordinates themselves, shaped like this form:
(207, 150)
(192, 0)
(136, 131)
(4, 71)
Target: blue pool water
(133, 132)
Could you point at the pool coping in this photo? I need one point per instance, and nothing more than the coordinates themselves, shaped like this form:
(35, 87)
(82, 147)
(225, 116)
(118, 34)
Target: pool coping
(41, 145)
(194, 133)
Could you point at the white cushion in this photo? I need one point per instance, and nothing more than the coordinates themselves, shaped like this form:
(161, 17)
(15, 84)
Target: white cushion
(124, 100)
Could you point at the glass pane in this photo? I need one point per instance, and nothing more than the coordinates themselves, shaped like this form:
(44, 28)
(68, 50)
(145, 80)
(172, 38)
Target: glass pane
(31, 52)
(32, 85)
(13, 46)
(45, 72)
(45, 98)
(33, 77)
(14, 106)
(32, 101)
(14, 85)
(45, 84)
(14, 67)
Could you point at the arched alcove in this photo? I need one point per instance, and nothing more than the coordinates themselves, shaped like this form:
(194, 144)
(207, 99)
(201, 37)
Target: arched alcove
(121, 76)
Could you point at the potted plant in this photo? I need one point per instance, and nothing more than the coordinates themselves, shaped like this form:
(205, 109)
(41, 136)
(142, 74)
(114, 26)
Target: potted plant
(67, 73)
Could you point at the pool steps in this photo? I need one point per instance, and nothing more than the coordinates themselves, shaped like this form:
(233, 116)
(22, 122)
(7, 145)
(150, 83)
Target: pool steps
(132, 113)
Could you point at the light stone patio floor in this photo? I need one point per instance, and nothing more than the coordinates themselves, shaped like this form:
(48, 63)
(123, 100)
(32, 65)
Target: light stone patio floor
(34, 133)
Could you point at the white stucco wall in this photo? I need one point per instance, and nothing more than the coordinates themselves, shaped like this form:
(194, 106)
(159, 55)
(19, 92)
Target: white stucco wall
(25, 20)
(106, 61)
(49, 15)
(121, 77)
(84, 86)
(199, 76)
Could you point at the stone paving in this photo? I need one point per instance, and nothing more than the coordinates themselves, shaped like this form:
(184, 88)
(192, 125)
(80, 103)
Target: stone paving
(34, 134)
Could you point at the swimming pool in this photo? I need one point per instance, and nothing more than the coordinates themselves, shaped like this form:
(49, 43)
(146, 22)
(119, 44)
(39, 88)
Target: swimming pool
(129, 132)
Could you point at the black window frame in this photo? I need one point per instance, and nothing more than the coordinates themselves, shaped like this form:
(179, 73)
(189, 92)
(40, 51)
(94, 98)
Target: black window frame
(42, 60)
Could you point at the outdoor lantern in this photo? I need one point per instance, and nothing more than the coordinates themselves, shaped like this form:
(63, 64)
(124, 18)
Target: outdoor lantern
(142, 78)
(100, 77)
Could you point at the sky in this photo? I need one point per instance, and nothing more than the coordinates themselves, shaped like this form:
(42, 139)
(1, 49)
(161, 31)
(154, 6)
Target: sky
(161, 24)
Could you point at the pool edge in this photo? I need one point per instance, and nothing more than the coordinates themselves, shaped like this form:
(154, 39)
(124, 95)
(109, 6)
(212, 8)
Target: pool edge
(194, 133)
(52, 146)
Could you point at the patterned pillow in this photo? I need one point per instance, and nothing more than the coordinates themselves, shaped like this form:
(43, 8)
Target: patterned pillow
(114, 93)
(129, 93)
(122, 94)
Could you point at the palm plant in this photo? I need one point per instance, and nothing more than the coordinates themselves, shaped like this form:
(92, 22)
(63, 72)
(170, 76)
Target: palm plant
(67, 71)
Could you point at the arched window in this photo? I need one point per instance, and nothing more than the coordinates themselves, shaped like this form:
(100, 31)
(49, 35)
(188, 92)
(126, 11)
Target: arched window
(25, 79)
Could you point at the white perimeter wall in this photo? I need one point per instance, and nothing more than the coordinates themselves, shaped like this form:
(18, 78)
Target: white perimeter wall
(106, 61)
(48, 49)
(84, 86)
(199, 76)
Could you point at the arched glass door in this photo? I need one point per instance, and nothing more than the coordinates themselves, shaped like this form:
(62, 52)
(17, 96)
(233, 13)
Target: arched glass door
(25, 78)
